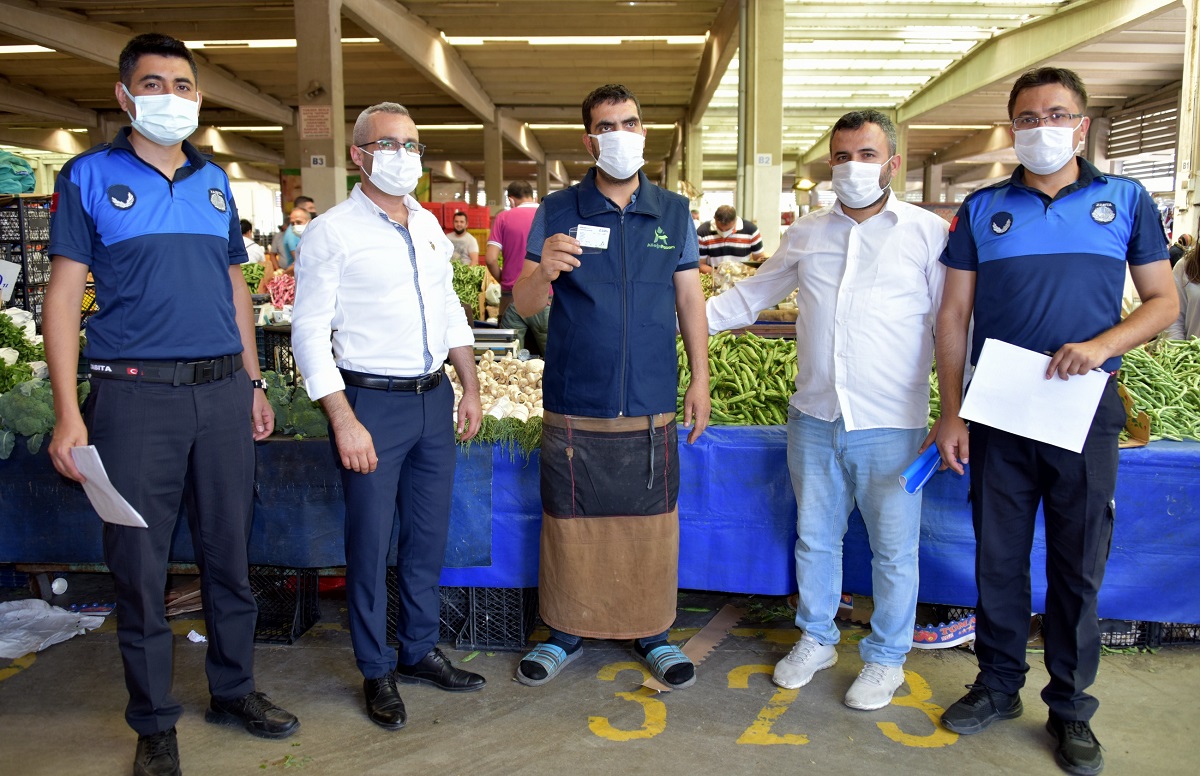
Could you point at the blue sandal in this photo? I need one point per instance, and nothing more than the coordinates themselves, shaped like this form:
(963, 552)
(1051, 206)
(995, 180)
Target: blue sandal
(551, 657)
(662, 659)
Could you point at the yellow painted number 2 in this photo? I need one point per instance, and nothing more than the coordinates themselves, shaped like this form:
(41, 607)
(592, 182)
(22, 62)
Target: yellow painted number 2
(759, 731)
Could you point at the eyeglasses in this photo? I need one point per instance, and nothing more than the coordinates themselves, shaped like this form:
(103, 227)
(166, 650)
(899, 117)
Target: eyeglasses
(1053, 120)
(392, 147)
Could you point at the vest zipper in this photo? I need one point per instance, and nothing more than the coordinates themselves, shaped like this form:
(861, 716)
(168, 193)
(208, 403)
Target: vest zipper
(624, 320)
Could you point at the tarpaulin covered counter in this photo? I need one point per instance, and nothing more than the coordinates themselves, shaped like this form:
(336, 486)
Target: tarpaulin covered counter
(737, 522)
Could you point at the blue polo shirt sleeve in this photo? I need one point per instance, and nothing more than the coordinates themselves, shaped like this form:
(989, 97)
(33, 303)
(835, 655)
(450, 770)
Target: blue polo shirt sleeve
(237, 248)
(537, 236)
(689, 258)
(72, 231)
(960, 250)
(1147, 241)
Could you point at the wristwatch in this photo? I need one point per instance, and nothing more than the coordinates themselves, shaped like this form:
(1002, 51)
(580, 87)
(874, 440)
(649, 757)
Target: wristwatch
(259, 384)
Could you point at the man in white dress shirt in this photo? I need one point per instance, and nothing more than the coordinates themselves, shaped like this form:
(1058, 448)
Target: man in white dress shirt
(869, 284)
(376, 273)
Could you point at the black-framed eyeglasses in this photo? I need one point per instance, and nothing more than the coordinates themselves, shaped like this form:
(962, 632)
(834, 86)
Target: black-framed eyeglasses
(392, 147)
(1053, 120)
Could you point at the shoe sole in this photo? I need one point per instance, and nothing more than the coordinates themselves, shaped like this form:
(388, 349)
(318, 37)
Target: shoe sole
(416, 680)
(1068, 766)
(875, 707)
(231, 720)
(387, 725)
(967, 730)
(943, 644)
(827, 664)
(525, 680)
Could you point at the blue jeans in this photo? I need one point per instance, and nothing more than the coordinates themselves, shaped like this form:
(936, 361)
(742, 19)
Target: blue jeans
(832, 470)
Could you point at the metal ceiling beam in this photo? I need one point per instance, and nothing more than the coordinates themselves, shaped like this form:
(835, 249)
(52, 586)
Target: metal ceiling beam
(233, 145)
(247, 172)
(57, 140)
(76, 35)
(426, 50)
(819, 151)
(965, 11)
(983, 142)
(452, 171)
(719, 49)
(27, 102)
(1038, 41)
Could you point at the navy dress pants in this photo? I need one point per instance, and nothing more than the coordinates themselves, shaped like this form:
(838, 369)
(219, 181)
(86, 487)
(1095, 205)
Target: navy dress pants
(414, 441)
(163, 446)
(1010, 475)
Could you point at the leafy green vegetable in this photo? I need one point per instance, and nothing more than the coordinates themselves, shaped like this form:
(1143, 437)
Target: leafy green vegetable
(468, 282)
(27, 410)
(12, 374)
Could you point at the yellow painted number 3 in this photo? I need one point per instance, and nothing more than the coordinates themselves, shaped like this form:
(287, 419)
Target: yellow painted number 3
(655, 710)
(918, 698)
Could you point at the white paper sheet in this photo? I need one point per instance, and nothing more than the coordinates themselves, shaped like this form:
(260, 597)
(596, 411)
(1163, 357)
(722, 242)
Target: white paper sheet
(108, 503)
(1009, 391)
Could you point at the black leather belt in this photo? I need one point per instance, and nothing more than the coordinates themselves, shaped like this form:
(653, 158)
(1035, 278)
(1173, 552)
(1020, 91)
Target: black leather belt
(172, 372)
(382, 383)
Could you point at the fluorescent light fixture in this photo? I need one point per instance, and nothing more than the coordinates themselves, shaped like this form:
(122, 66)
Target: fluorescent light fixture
(448, 127)
(579, 40)
(263, 43)
(250, 129)
(948, 127)
(25, 50)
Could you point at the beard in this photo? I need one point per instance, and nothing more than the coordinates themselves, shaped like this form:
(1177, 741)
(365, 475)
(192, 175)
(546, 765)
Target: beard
(459, 231)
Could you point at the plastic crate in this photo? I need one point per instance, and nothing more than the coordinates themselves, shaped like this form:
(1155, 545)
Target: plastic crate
(478, 217)
(436, 209)
(37, 221)
(276, 353)
(287, 603)
(499, 618)
(453, 607)
(1167, 634)
(1123, 633)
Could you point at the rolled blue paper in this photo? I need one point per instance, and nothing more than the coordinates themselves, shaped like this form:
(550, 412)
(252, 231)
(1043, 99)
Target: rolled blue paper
(919, 471)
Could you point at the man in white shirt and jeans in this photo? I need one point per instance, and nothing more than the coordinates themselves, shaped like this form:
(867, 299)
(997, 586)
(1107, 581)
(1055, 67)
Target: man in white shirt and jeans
(869, 284)
(376, 273)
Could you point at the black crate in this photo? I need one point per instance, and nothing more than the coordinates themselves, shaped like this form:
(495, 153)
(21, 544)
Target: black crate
(499, 618)
(454, 607)
(1167, 634)
(10, 577)
(276, 354)
(37, 221)
(1123, 633)
(287, 603)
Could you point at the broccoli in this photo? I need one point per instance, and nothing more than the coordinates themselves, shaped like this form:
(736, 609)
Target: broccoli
(27, 410)
(305, 418)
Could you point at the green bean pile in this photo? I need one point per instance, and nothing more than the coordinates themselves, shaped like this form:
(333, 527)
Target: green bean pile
(468, 282)
(752, 379)
(1166, 386)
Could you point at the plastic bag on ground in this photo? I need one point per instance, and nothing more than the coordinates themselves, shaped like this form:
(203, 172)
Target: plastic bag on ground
(32, 625)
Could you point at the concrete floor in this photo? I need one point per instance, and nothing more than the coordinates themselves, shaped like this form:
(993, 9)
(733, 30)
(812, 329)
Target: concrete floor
(61, 712)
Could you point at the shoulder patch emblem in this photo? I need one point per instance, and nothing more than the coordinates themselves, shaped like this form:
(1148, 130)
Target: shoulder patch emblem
(217, 198)
(1104, 212)
(1001, 222)
(121, 196)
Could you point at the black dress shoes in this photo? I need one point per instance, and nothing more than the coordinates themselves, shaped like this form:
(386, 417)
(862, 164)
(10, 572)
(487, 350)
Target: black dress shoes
(255, 712)
(384, 706)
(435, 669)
(157, 755)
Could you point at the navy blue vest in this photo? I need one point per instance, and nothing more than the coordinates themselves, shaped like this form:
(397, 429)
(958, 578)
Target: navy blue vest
(611, 339)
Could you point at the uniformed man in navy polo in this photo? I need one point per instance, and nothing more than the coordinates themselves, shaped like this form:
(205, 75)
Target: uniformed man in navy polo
(1040, 260)
(176, 401)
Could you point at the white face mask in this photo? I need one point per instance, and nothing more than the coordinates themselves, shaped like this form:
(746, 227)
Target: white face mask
(298, 228)
(1045, 150)
(165, 119)
(621, 153)
(397, 174)
(856, 184)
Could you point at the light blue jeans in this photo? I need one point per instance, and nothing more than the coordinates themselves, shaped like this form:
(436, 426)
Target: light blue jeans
(832, 470)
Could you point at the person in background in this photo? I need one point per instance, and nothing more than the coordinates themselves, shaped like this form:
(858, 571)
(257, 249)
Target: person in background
(1039, 261)
(176, 402)
(1187, 283)
(509, 231)
(728, 237)
(307, 204)
(389, 403)
(1179, 248)
(696, 219)
(869, 284)
(289, 244)
(466, 247)
(253, 250)
(609, 465)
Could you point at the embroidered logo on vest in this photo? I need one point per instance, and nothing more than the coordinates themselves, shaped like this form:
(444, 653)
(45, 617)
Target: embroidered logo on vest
(660, 240)
(1104, 212)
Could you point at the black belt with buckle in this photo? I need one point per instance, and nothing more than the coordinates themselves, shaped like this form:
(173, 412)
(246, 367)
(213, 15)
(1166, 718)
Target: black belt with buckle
(382, 383)
(170, 372)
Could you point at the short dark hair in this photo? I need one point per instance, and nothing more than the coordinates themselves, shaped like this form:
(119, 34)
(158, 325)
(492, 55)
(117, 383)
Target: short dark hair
(246, 225)
(520, 190)
(611, 94)
(301, 200)
(1044, 76)
(725, 214)
(855, 119)
(152, 43)
(458, 213)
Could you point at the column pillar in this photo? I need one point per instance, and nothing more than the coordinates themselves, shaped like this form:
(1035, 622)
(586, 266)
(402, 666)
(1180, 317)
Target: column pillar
(1187, 148)
(493, 165)
(763, 133)
(899, 184)
(543, 179)
(693, 157)
(931, 185)
(321, 115)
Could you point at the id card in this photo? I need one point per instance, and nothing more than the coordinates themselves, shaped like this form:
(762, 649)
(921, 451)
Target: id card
(594, 237)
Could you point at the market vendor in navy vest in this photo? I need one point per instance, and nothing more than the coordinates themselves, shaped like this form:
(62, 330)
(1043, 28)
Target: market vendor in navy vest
(176, 404)
(609, 466)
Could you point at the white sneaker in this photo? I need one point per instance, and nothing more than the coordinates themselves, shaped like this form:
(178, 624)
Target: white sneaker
(805, 659)
(874, 687)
